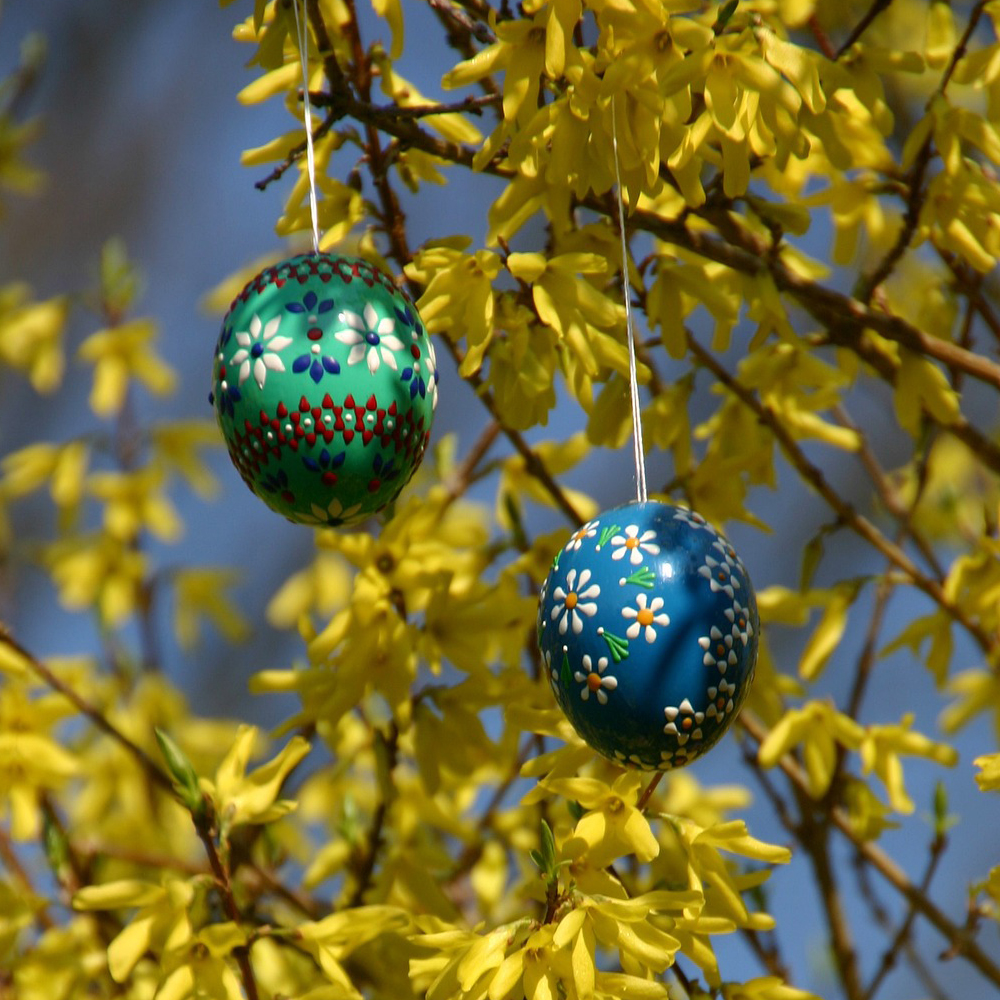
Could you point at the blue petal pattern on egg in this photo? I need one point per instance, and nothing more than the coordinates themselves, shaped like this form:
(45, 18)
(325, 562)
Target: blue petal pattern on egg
(648, 627)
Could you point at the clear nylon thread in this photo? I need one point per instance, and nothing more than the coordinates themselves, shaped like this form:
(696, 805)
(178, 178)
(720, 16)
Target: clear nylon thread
(302, 39)
(640, 461)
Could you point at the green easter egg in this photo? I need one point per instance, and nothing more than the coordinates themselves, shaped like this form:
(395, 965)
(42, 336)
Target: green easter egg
(324, 384)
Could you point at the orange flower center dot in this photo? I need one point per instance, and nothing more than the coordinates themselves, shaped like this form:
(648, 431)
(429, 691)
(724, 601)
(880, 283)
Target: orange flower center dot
(644, 616)
(686, 724)
(720, 650)
(631, 543)
(571, 600)
(593, 681)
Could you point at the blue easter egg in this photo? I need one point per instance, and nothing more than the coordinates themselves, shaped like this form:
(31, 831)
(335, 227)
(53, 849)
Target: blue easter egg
(647, 624)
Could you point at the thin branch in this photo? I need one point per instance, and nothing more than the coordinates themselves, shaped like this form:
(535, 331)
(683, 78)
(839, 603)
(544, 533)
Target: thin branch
(553, 900)
(822, 38)
(813, 833)
(883, 919)
(866, 658)
(778, 804)
(19, 85)
(331, 66)
(681, 976)
(394, 112)
(888, 497)
(754, 257)
(374, 840)
(72, 870)
(74, 873)
(392, 215)
(768, 956)
(463, 476)
(13, 865)
(863, 25)
(377, 114)
(406, 130)
(91, 711)
(845, 510)
(477, 21)
(962, 46)
(815, 839)
(474, 850)
(462, 27)
(533, 464)
(902, 935)
(132, 855)
(915, 179)
(983, 447)
(971, 286)
(647, 793)
(159, 778)
(923, 973)
(295, 154)
(911, 218)
(750, 255)
(308, 906)
(959, 938)
(224, 886)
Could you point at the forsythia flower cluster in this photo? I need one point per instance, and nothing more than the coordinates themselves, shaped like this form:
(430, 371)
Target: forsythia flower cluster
(424, 822)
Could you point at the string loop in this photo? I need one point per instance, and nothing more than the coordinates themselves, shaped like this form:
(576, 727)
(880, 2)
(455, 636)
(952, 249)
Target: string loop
(640, 461)
(302, 41)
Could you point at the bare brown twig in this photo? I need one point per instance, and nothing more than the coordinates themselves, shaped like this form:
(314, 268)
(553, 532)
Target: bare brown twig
(863, 25)
(822, 38)
(532, 463)
(884, 920)
(888, 497)
(957, 937)
(911, 217)
(224, 887)
(815, 838)
(748, 256)
(91, 711)
(365, 867)
(811, 474)
(753, 258)
(647, 792)
(464, 474)
(10, 860)
(891, 954)
(918, 172)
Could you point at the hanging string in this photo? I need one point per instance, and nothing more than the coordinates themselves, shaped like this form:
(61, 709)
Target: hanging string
(302, 40)
(640, 461)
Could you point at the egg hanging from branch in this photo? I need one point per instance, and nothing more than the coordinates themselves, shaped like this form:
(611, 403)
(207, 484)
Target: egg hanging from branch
(324, 385)
(648, 628)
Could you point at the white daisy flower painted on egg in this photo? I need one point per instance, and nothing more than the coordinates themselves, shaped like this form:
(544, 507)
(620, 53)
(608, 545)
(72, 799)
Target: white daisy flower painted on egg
(573, 600)
(634, 544)
(645, 616)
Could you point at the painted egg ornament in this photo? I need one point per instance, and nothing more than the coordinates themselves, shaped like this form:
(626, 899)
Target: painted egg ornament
(647, 624)
(324, 384)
